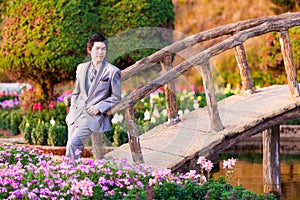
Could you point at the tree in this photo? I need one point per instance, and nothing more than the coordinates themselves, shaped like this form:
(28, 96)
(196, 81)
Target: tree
(120, 20)
(282, 6)
(272, 59)
(43, 41)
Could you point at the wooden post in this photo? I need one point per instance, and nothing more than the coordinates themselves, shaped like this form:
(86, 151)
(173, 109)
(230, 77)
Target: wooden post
(271, 161)
(289, 63)
(133, 136)
(212, 105)
(248, 86)
(97, 145)
(170, 93)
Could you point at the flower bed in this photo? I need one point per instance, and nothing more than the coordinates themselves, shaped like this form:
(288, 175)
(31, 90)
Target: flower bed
(29, 174)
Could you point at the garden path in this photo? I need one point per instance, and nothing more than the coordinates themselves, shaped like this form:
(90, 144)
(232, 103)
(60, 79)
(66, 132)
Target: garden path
(177, 146)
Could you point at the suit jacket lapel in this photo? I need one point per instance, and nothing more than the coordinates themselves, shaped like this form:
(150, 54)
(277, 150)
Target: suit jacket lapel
(98, 78)
(84, 73)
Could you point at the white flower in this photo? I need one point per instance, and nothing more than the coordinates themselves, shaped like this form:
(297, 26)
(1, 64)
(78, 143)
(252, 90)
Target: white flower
(164, 112)
(120, 118)
(180, 112)
(195, 105)
(114, 120)
(156, 113)
(186, 111)
(181, 98)
(146, 115)
(52, 122)
(117, 118)
(153, 120)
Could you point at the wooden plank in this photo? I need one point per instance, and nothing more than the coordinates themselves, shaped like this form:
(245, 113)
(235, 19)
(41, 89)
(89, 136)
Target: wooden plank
(242, 115)
(289, 63)
(271, 161)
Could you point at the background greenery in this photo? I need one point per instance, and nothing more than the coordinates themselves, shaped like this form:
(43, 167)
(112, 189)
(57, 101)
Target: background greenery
(42, 42)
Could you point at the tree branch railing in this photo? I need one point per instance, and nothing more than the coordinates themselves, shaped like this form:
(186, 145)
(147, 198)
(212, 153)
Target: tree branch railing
(192, 40)
(241, 32)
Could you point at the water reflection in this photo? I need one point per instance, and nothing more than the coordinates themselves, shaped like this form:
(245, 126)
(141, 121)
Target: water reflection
(248, 172)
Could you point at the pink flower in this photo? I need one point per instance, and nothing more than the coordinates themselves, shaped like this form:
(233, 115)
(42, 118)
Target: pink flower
(37, 106)
(208, 166)
(78, 152)
(152, 181)
(201, 160)
(230, 163)
(202, 180)
(85, 187)
(52, 105)
(191, 174)
(111, 192)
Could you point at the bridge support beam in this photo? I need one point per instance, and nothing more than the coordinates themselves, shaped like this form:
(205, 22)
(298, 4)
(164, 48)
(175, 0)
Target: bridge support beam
(133, 136)
(271, 161)
(240, 54)
(211, 100)
(169, 88)
(289, 63)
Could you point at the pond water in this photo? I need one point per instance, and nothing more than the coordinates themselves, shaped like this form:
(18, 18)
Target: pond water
(249, 173)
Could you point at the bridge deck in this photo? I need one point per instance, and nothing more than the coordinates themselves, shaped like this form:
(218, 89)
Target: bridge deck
(241, 115)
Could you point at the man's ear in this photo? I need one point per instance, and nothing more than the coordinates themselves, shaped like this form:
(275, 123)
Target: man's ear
(88, 50)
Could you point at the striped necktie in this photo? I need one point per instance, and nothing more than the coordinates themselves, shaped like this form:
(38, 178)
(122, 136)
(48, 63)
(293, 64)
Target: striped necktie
(93, 74)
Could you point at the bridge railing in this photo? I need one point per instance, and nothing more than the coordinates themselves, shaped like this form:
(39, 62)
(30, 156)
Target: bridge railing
(240, 32)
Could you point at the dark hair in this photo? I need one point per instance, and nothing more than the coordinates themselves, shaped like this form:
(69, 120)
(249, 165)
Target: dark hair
(96, 37)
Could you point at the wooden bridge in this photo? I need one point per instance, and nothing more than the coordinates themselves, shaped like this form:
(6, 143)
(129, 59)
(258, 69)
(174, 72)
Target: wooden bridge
(208, 131)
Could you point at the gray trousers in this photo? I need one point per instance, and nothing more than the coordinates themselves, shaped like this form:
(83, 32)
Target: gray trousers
(78, 135)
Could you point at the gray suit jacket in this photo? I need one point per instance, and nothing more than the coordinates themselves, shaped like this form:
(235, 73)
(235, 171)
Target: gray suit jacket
(104, 92)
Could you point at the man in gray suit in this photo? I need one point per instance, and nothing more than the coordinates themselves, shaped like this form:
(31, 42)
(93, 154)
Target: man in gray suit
(97, 89)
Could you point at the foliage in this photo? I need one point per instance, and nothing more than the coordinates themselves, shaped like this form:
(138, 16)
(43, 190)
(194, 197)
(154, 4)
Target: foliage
(10, 120)
(28, 99)
(42, 41)
(45, 126)
(44, 123)
(272, 58)
(283, 6)
(28, 174)
(128, 42)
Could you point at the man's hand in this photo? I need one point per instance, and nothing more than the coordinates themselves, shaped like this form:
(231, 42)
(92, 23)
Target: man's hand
(67, 100)
(92, 110)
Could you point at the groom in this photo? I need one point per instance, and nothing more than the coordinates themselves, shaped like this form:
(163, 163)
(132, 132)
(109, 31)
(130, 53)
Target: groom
(97, 89)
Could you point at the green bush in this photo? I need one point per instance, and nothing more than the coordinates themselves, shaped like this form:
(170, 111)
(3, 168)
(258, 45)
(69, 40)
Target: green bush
(43, 41)
(45, 127)
(57, 135)
(132, 43)
(10, 119)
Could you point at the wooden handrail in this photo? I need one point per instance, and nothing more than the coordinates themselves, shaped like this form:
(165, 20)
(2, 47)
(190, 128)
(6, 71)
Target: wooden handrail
(204, 56)
(228, 29)
(269, 24)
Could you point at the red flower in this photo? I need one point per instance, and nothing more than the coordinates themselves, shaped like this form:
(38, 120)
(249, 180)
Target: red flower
(201, 88)
(52, 105)
(37, 106)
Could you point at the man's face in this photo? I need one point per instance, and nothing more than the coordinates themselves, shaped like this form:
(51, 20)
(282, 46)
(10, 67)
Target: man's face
(98, 52)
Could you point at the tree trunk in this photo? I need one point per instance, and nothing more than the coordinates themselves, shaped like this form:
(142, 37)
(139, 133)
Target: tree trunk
(44, 90)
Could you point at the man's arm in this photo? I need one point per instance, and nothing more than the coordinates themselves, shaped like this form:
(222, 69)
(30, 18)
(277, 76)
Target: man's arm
(115, 96)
